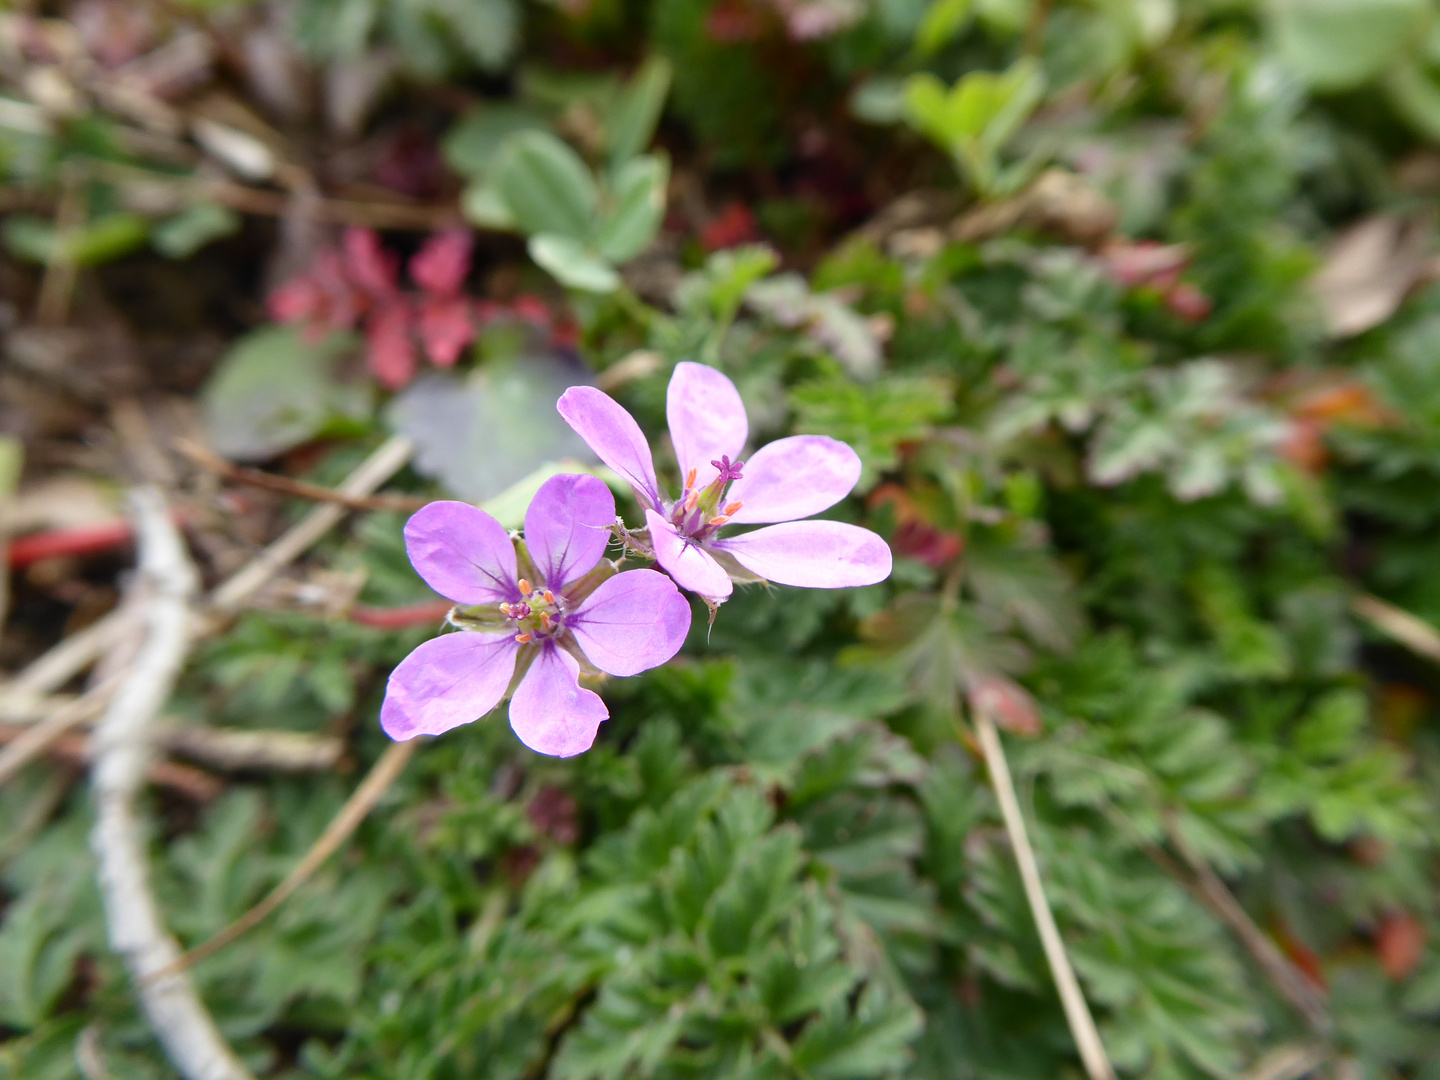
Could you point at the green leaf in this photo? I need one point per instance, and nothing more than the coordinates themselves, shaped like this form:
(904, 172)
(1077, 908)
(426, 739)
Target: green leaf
(639, 207)
(100, 241)
(473, 147)
(187, 232)
(573, 263)
(874, 1039)
(1415, 94)
(944, 19)
(1339, 44)
(274, 390)
(631, 124)
(546, 186)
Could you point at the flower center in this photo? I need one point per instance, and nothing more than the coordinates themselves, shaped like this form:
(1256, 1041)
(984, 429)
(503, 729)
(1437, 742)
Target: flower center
(540, 615)
(700, 511)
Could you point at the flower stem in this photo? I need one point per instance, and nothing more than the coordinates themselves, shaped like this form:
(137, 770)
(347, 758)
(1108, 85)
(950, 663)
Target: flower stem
(1077, 1012)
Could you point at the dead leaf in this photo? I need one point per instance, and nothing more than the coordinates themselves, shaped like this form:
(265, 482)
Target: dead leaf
(1368, 272)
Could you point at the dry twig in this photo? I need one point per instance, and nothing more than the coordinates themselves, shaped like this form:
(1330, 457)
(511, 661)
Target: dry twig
(355, 810)
(122, 753)
(1288, 980)
(384, 463)
(285, 485)
(75, 653)
(1072, 998)
(1414, 633)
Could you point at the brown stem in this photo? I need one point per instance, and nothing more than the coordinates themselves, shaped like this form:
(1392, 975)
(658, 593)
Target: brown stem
(1072, 998)
(370, 791)
(285, 485)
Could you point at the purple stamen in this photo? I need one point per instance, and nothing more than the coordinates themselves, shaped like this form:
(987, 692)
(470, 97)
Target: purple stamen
(728, 471)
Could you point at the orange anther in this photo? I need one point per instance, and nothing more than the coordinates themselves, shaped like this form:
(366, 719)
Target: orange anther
(718, 520)
(731, 509)
(691, 500)
(549, 597)
(545, 620)
(690, 479)
(523, 639)
(525, 586)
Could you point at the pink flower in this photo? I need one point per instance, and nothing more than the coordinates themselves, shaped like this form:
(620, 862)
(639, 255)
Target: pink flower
(782, 482)
(542, 629)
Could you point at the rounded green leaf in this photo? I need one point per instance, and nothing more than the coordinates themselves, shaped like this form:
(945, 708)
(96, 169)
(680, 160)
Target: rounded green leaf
(639, 206)
(1338, 44)
(546, 186)
(573, 264)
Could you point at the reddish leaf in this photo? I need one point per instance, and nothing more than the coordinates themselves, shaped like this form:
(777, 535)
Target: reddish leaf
(369, 265)
(427, 613)
(446, 328)
(1188, 302)
(441, 266)
(1145, 263)
(1007, 703)
(1400, 943)
(553, 812)
(735, 225)
(298, 300)
(390, 347)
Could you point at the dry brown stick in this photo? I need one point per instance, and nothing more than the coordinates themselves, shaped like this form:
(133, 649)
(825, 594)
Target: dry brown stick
(77, 749)
(35, 740)
(1287, 979)
(122, 752)
(300, 489)
(67, 658)
(1288, 1063)
(266, 203)
(1072, 998)
(355, 810)
(221, 748)
(72, 655)
(384, 463)
(1414, 633)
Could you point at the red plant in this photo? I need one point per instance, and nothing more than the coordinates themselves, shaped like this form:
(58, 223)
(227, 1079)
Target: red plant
(358, 284)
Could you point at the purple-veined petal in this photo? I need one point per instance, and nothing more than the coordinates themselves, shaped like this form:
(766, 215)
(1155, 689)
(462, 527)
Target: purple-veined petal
(633, 622)
(567, 527)
(686, 562)
(550, 712)
(793, 478)
(462, 553)
(812, 554)
(707, 419)
(614, 436)
(448, 681)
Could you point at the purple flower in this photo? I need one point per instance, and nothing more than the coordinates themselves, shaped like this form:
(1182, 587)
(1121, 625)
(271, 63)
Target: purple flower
(782, 482)
(533, 634)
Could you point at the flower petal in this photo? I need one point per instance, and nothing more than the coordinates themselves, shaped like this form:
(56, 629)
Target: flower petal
(633, 622)
(568, 526)
(707, 419)
(812, 554)
(550, 712)
(614, 436)
(793, 478)
(462, 553)
(448, 681)
(689, 564)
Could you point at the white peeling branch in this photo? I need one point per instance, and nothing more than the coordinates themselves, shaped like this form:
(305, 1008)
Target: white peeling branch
(123, 751)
